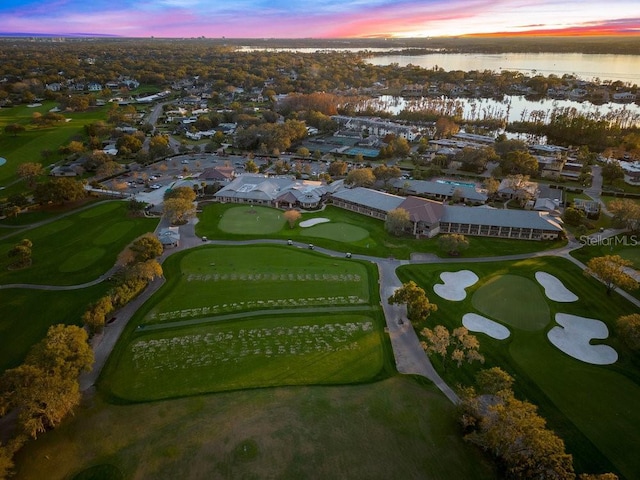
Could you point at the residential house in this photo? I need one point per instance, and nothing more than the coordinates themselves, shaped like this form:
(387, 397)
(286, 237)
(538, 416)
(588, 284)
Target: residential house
(507, 190)
(623, 97)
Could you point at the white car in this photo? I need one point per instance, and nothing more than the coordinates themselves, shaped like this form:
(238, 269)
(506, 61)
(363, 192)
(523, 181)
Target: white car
(155, 186)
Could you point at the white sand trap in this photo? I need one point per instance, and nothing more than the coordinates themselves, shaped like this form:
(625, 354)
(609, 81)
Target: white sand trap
(313, 221)
(554, 289)
(478, 323)
(574, 335)
(454, 284)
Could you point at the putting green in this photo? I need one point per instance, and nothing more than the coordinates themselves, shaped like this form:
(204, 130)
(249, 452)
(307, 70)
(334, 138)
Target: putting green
(340, 232)
(252, 220)
(514, 300)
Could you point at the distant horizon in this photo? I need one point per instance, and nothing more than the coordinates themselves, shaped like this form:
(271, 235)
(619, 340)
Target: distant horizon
(497, 35)
(331, 19)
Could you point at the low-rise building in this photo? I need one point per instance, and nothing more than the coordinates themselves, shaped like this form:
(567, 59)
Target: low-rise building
(428, 218)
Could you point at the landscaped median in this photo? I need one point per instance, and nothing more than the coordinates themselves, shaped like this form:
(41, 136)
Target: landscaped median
(253, 316)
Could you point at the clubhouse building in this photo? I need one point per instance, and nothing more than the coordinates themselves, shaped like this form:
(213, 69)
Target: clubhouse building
(279, 192)
(428, 217)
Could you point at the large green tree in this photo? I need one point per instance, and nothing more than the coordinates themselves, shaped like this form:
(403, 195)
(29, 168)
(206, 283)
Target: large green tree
(397, 222)
(628, 327)
(21, 254)
(45, 388)
(414, 297)
(30, 171)
(59, 191)
(178, 210)
(458, 345)
(453, 243)
(360, 177)
(513, 432)
(146, 247)
(610, 270)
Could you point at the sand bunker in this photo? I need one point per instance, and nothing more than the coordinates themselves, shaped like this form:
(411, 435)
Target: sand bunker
(478, 323)
(454, 284)
(313, 221)
(574, 335)
(554, 289)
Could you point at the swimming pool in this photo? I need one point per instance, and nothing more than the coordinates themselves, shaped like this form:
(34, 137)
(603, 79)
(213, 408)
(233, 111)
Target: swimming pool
(457, 184)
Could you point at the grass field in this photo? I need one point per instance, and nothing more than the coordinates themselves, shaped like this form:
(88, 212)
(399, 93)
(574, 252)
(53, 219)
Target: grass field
(591, 407)
(394, 428)
(251, 220)
(248, 353)
(76, 248)
(300, 318)
(28, 145)
(626, 245)
(215, 280)
(349, 232)
(25, 316)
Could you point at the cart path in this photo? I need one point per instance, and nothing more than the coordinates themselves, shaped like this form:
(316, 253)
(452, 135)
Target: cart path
(409, 356)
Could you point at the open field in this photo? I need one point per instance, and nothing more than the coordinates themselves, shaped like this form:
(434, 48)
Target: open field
(76, 248)
(593, 408)
(351, 232)
(394, 428)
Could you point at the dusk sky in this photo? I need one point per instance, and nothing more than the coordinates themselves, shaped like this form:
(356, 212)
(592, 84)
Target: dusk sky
(319, 19)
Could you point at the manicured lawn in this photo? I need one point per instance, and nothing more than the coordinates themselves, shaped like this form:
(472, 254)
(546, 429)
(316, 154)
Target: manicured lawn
(626, 245)
(352, 232)
(394, 428)
(250, 220)
(213, 280)
(25, 316)
(76, 248)
(297, 317)
(248, 353)
(586, 404)
(513, 300)
(341, 232)
(28, 145)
